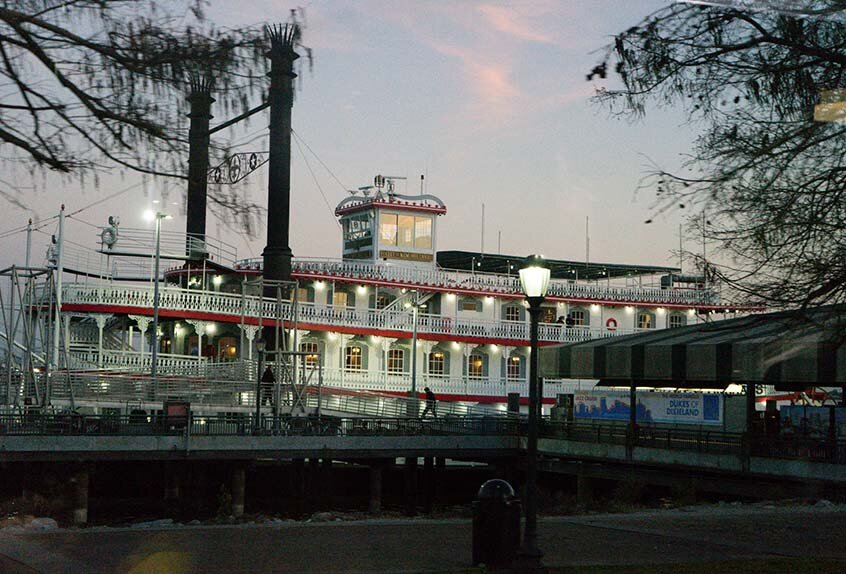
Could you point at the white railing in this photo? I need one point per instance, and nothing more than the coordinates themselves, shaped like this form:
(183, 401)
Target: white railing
(135, 361)
(126, 377)
(495, 283)
(234, 306)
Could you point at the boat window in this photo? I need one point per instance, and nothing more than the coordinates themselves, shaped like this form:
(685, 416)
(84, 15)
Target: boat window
(387, 229)
(405, 231)
(396, 360)
(352, 358)
(437, 363)
(313, 357)
(423, 232)
(677, 320)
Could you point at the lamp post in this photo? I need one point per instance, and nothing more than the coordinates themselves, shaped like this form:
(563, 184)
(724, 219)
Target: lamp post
(260, 345)
(156, 216)
(415, 305)
(534, 280)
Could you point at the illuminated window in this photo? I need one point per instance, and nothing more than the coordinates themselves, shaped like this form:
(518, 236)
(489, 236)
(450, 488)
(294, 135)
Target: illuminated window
(476, 366)
(340, 298)
(396, 360)
(313, 357)
(352, 358)
(423, 232)
(512, 313)
(645, 321)
(405, 231)
(470, 304)
(677, 320)
(387, 229)
(578, 317)
(437, 364)
(514, 367)
(548, 315)
(302, 295)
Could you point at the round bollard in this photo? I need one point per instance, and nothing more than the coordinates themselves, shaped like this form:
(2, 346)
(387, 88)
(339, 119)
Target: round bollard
(496, 524)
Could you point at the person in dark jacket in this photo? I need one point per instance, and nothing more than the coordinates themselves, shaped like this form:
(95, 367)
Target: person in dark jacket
(267, 382)
(431, 403)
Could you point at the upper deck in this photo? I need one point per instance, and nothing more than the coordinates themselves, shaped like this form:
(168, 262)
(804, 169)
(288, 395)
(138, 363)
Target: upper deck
(617, 291)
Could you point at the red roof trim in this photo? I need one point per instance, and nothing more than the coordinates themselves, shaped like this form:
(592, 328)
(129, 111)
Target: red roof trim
(399, 205)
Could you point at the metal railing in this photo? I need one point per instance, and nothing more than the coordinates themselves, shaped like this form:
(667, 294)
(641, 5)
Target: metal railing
(244, 424)
(37, 424)
(698, 440)
(493, 283)
(235, 306)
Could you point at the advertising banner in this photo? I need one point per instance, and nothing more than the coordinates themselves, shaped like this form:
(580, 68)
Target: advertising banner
(686, 408)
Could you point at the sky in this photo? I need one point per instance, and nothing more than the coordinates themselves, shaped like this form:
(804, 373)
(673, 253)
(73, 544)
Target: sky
(489, 100)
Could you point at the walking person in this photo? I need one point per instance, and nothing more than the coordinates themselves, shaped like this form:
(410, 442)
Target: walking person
(431, 403)
(267, 383)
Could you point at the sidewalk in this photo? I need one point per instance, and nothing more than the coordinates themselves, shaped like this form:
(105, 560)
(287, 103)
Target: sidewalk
(420, 545)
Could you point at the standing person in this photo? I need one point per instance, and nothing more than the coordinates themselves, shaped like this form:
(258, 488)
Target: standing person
(267, 382)
(431, 403)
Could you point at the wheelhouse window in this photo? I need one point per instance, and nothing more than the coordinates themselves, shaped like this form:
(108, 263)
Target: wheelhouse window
(353, 358)
(313, 356)
(387, 229)
(677, 320)
(405, 231)
(423, 232)
(437, 364)
(396, 360)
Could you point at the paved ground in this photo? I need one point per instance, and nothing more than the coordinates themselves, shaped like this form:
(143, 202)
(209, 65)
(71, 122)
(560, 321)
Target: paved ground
(666, 536)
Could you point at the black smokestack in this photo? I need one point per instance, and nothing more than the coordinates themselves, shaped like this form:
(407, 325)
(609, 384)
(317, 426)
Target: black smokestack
(198, 164)
(277, 253)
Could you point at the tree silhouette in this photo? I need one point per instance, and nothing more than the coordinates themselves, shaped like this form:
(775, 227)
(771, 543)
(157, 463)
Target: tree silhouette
(93, 85)
(771, 179)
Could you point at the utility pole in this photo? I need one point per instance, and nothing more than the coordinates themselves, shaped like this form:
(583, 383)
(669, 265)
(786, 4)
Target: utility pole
(57, 323)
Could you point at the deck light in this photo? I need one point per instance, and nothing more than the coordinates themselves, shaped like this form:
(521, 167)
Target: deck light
(629, 309)
(362, 289)
(217, 280)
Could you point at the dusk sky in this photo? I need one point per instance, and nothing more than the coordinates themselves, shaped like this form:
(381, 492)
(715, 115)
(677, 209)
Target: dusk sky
(489, 100)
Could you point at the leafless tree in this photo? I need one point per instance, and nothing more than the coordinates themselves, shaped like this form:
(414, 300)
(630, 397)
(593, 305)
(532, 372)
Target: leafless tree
(771, 179)
(93, 85)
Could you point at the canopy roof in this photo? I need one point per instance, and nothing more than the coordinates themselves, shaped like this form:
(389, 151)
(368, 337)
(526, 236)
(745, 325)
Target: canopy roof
(792, 350)
(561, 269)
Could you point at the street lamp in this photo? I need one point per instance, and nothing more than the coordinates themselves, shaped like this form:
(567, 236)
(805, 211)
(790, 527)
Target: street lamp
(415, 306)
(156, 216)
(534, 279)
(260, 346)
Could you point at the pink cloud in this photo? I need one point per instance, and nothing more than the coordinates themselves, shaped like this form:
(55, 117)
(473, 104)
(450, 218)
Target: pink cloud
(511, 23)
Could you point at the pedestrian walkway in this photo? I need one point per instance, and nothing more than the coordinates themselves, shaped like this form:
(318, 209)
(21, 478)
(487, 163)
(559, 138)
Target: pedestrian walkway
(698, 535)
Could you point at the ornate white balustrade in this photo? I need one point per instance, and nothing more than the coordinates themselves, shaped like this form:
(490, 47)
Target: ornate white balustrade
(233, 307)
(467, 387)
(135, 361)
(494, 283)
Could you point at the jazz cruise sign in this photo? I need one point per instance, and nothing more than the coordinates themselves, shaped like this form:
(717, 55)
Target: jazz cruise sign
(687, 408)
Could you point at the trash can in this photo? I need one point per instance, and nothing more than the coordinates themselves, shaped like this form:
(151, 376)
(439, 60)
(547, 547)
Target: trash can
(496, 524)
